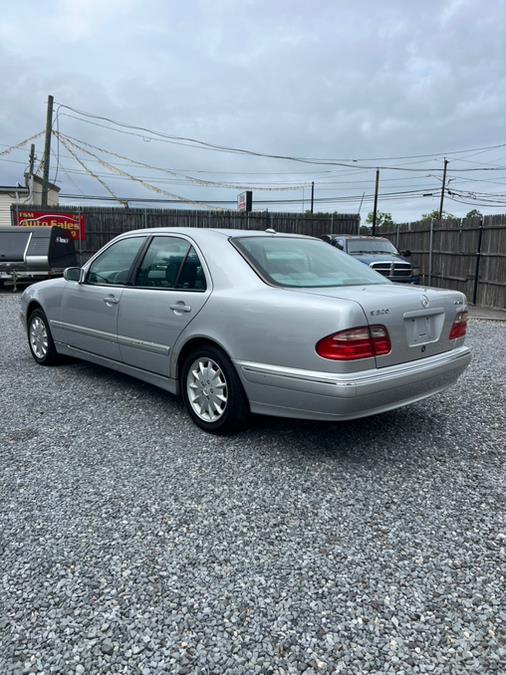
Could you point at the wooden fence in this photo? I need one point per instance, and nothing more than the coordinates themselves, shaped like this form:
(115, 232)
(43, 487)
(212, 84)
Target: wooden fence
(468, 255)
(102, 224)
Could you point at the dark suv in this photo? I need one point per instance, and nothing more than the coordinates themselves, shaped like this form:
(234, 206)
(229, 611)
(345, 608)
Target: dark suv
(379, 253)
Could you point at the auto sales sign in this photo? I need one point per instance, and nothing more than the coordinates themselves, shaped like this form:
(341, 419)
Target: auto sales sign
(72, 222)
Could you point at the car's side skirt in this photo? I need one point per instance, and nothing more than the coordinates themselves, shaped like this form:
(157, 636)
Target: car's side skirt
(166, 383)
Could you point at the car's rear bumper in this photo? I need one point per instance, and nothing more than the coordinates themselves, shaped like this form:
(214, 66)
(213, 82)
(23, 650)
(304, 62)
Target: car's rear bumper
(306, 394)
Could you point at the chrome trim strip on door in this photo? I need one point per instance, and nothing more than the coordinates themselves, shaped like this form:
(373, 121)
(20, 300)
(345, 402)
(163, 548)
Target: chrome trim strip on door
(93, 332)
(111, 337)
(143, 344)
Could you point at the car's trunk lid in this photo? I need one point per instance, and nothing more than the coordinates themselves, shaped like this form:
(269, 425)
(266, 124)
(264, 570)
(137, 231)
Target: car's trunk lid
(418, 319)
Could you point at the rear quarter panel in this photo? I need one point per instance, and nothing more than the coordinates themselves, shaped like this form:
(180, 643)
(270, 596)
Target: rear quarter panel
(273, 326)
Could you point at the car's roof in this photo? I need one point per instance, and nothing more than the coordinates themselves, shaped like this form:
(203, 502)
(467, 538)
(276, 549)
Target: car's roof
(353, 236)
(197, 232)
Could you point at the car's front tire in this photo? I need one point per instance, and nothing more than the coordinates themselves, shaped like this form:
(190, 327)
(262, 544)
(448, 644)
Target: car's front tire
(212, 391)
(40, 339)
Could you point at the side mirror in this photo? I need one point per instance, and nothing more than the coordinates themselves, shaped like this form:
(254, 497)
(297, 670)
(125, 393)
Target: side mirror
(406, 254)
(72, 274)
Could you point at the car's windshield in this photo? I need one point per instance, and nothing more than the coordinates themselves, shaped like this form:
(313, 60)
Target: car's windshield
(356, 246)
(304, 263)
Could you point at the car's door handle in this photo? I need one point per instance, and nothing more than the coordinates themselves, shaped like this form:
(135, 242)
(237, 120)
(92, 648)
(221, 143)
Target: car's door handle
(110, 300)
(180, 306)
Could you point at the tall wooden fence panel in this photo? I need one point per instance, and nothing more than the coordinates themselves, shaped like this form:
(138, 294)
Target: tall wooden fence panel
(467, 255)
(104, 223)
(492, 268)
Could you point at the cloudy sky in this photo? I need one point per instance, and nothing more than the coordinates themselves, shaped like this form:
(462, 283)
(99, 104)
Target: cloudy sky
(329, 80)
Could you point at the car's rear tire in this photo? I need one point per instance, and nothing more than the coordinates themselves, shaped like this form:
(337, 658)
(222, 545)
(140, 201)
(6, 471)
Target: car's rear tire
(212, 391)
(40, 339)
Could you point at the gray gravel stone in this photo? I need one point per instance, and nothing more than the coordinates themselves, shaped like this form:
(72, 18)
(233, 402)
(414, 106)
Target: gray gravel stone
(373, 546)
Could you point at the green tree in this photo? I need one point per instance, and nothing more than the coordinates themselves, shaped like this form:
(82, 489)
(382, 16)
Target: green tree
(474, 213)
(383, 219)
(434, 215)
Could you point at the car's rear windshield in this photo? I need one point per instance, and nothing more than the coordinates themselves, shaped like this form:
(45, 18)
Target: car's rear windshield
(304, 263)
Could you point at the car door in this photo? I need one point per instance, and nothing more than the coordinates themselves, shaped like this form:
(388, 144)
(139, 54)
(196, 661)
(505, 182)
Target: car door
(170, 287)
(89, 311)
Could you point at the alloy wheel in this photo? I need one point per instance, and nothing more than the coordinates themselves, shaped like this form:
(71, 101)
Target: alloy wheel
(207, 389)
(39, 339)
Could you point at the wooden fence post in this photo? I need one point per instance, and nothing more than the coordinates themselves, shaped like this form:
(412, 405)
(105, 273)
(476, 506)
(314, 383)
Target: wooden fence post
(431, 244)
(477, 266)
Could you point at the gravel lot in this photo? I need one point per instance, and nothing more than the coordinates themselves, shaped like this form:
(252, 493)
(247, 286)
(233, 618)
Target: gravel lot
(132, 542)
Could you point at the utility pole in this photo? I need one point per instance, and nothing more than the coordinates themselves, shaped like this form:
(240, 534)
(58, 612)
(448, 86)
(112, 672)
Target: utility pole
(443, 185)
(312, 195)
(29, 177)
(360, 209)
(375, 209)
(47, 149)
(32, 159)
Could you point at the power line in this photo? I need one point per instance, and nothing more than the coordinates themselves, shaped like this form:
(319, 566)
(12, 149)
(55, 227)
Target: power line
(336, 199)
(319, 162)
(232, 149)
(476, 203)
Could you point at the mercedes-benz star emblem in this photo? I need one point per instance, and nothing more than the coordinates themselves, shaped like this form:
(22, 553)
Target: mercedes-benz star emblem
(424, 300)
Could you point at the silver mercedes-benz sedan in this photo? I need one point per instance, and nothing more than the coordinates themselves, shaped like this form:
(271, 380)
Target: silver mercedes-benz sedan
(242, 322)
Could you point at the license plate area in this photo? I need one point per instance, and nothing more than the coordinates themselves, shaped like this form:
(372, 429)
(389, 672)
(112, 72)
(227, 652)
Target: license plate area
(424, 328)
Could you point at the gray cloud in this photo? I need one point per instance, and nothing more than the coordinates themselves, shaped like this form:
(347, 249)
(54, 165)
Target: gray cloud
(328, 79)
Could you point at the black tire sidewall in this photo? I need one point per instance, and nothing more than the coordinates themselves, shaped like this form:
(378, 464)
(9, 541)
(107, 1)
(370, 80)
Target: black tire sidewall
(237, 410)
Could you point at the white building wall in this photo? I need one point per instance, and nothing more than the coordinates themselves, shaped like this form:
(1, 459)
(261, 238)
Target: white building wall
(6, 200)
(21, 198)
(52, 195)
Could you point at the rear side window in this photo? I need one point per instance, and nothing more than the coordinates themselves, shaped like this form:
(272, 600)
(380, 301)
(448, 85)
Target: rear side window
(304, 263)
(113, 266)
(171, 263)
(192, 277)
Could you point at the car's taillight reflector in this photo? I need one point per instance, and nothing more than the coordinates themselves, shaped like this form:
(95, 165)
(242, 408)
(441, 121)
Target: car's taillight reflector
(459, 326)
(363, 342)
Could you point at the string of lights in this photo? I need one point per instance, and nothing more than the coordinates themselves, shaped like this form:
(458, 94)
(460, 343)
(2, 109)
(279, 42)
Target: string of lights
(114, 169)
(400, 188)
(19, 145)
(190, 179)
(91, 173)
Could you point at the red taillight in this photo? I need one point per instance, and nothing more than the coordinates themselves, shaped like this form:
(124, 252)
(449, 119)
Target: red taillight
(459, 326)
(355, 343)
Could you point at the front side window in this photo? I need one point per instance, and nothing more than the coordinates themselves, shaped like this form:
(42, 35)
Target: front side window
(304, 263)
(171, 263)
(113, 266)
